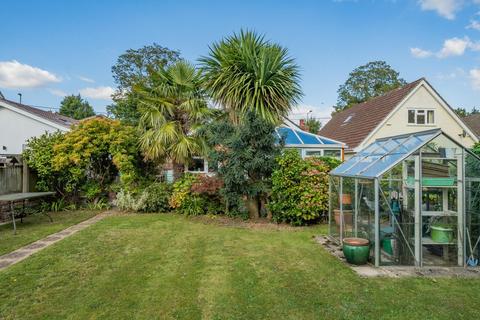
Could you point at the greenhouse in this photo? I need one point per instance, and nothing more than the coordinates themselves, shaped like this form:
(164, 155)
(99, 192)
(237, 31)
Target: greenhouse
(415, 197)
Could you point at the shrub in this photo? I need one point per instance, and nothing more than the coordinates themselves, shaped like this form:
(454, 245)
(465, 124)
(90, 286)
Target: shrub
(197, 195)
(153, 198)
(208, 188)
(181, 190)
(125, 200)
(299, 189)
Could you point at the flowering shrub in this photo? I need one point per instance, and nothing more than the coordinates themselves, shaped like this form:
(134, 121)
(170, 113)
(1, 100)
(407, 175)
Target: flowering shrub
(300, 188)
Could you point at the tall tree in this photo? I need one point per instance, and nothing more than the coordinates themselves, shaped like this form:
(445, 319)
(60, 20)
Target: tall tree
(313, 125)
(131, 69)
(365, 82)
(245, 156)
(173, 108)
(245, 72)
(74, 106)
(462, 112)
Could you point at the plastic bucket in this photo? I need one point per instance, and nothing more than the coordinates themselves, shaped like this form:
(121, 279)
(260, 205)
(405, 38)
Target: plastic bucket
(441, 234)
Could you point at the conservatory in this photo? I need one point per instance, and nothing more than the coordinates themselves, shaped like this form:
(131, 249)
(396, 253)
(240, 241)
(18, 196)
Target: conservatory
(415, 197)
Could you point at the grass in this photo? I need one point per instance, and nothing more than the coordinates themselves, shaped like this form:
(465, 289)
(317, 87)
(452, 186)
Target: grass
(172, 267)
(37, 226)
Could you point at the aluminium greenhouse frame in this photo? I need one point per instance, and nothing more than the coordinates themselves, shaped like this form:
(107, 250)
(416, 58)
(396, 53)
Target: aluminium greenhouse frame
(397, 172)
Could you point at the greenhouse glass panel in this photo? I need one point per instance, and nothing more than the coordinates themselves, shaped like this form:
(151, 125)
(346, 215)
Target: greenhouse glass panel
(382, 154)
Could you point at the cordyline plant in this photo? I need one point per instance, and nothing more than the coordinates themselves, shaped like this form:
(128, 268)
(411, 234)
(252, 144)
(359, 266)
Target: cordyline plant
(245, 73)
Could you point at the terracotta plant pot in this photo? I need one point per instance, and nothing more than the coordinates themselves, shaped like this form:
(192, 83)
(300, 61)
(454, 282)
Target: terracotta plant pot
(346, 198)
(347, 216)
(356, 250)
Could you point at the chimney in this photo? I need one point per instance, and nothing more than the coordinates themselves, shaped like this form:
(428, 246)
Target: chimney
(302, 124)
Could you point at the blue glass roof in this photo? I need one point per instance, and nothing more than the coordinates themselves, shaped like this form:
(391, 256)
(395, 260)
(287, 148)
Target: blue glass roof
(294, 136)
(381, 155)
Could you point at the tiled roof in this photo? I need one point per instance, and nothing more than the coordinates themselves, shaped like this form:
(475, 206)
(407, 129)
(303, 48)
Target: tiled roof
(473, 122)
(353, 125)
(48, 115)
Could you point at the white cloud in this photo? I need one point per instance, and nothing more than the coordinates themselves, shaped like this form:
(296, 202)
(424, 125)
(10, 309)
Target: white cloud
(420, 53)
(475, 78)
(101, 93)
(85, 79)
(474, 24)
(58, 92)
(454, 47)
(445, 8)
(14, 74)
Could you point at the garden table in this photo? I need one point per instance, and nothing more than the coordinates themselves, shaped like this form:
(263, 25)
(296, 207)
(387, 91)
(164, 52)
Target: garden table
(23, 196)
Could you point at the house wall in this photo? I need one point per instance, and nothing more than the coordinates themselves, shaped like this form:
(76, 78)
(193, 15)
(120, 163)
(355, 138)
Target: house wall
(16, 129)
(422, 98)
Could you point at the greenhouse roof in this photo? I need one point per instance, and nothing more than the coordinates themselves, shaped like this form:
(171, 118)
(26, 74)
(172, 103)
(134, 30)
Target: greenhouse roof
(298, 137)
(378, 157)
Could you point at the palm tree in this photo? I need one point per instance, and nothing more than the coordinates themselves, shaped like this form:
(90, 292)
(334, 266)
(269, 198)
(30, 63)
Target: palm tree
(173, 108)
(245, 72)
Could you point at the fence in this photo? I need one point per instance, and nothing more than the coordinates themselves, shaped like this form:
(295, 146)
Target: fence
(10, 179)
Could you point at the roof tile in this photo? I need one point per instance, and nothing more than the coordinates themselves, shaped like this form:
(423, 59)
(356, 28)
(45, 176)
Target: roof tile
(353, 125)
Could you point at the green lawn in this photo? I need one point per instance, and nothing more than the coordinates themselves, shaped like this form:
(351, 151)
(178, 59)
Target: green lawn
(172, 267)
(37, 226)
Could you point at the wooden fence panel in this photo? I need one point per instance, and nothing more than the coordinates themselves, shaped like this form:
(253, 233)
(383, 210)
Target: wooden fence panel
(10, 180)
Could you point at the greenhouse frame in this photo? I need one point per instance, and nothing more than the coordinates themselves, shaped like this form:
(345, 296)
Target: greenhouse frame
(415, 197)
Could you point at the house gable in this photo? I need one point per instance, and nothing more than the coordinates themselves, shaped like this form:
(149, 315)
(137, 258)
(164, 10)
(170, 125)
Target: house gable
(423, 97)
(17, 126)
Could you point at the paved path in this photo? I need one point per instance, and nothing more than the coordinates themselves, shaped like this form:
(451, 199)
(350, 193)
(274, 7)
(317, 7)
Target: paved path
(24, 252)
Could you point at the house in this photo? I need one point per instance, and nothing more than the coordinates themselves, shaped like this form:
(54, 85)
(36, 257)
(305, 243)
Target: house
(415, 107)
(20, 122)
(307, 144)
(473, 121)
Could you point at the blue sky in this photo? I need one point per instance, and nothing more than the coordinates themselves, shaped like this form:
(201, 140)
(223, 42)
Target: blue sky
(52, 48)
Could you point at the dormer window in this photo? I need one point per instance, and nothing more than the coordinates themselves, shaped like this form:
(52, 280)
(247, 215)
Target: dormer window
(421, 116)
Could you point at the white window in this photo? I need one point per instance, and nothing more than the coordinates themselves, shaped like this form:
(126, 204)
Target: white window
(333, 153)
(313, 153)
(198, 165)
(421, 116)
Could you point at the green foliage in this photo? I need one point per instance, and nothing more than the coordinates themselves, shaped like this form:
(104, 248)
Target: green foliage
(365, 82)
(182, 191)
(100, 204)
(313, 125)
(173, 108)
(132, 65)
(197, 195)
(75, 107)
(131, 69)
(476, 149)
(93, 153)
(300, 189)
(39, 154)
(462, 112)
(245, 157)
(245, 72)
(152, 198)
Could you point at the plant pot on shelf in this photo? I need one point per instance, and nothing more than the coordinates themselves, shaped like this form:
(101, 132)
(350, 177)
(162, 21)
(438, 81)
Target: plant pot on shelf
(356, 250)
(346, 199)
(441, 233)
(347, 216)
